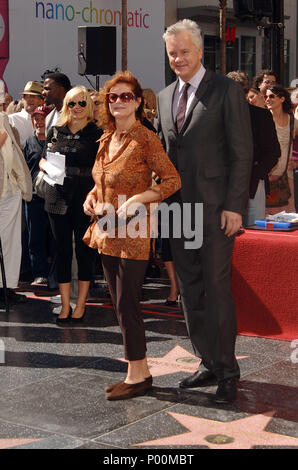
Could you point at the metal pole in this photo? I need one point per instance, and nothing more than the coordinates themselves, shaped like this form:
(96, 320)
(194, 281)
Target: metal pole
(124, 34)
(3, 279)
(222, 34)
(277, 45)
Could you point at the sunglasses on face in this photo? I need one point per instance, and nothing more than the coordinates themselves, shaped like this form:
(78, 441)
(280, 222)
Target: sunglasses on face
(72, 104)
(124, 97)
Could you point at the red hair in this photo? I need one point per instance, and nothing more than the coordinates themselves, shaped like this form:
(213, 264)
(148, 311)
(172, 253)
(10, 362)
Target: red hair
(106, 119)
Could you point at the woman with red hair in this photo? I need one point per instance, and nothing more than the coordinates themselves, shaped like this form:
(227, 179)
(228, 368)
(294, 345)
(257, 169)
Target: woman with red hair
(127, 156)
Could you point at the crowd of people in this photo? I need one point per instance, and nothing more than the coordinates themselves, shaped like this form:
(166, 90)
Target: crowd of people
(206, 138)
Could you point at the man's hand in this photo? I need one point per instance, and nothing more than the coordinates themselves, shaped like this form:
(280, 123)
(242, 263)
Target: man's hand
(231, 222)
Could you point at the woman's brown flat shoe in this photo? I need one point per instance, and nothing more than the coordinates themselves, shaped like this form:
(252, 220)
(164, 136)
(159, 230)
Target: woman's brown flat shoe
(124, 391)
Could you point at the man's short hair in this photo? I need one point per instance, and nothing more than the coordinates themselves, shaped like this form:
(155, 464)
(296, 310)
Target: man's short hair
(240, 77)
(61, 79)
(257, 80)
(185, 25)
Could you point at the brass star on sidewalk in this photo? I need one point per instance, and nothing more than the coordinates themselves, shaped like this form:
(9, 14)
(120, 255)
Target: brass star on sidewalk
(243, 433)
(13, 442)
(177, 359)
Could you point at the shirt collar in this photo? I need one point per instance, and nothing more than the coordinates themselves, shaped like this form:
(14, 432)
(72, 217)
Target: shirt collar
(107, 134)
(25, 114)
(195, 79)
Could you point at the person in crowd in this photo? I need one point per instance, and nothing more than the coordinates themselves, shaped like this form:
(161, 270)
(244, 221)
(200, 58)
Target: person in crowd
(150, 105)
(15, 184)
(278, 101)
(31, 98)
(266, 153)
(37, 219)
(264, 79)
(75, 136)
(95, 97)
(14, 107)
(294, 100)
(8, 99)
(256, 98)
(128, 154)
(55, 87)
(204, 125)
(22, 122)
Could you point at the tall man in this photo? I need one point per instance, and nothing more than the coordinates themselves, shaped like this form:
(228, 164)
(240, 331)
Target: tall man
(206, 132)
(55, 87)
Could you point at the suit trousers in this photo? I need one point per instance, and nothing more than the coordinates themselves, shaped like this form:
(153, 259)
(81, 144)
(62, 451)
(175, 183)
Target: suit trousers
(125, 278)
(204, 281)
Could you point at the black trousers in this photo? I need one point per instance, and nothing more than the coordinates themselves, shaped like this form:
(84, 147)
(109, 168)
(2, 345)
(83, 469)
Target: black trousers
(204, 282)
(63, 227)
(125, 278)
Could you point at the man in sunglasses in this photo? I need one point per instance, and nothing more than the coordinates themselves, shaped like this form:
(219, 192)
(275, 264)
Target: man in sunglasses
(55, 87)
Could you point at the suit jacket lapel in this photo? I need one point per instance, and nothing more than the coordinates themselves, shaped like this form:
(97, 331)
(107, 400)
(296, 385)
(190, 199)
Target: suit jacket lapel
(172, 89)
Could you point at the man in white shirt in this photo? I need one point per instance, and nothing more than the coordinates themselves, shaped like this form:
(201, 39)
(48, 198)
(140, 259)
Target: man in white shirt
(31, 98)
(55, 87)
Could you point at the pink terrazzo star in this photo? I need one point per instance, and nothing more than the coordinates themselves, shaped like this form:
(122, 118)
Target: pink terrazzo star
(6, 443)
(177, 359)
(242, 433)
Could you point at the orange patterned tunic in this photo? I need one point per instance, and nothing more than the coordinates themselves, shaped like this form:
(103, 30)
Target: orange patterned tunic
(127, 174)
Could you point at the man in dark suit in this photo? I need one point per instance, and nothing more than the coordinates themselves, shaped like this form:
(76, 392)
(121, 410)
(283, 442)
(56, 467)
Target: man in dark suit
(205, 129)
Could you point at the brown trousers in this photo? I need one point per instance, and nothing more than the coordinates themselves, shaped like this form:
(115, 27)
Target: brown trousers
(125, 278)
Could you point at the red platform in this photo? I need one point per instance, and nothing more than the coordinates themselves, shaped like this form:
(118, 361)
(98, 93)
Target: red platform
(265, 283)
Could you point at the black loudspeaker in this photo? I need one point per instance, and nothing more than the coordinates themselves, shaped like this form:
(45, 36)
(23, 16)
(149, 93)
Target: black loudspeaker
(253, 8)
(97, 50)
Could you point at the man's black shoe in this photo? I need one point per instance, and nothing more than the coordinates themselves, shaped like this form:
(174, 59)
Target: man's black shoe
(199, 379)
(226, 391)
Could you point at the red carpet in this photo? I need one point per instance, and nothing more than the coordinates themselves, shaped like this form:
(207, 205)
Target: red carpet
(265, 284)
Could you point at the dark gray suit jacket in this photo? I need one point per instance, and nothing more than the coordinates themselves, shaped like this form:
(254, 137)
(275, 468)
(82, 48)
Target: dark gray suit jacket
(213, 152)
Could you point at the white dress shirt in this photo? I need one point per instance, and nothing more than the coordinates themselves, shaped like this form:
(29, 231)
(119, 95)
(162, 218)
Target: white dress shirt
(23, 123)
(194, 83)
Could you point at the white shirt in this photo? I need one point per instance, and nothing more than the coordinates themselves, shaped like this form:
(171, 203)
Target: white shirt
(194, 84)
(51, 119)
(23, 123)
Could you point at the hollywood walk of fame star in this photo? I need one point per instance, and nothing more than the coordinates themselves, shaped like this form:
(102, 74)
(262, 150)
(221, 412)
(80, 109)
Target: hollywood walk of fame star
(177, 359)
(242, 433)
(13, 442)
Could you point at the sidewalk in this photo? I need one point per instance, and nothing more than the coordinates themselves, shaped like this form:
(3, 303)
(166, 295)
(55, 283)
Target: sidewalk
(52, 382)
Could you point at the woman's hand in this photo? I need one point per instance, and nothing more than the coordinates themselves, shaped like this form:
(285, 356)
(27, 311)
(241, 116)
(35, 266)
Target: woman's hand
(3, 137)
(90, 204)
(132, 205)
(273, 177)
(123, 211)
(42, 161)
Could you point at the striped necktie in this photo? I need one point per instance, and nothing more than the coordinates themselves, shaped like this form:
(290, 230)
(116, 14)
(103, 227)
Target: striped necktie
(182, 107)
